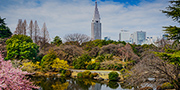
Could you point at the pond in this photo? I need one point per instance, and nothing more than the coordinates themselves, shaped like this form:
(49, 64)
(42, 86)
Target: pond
(54, 83)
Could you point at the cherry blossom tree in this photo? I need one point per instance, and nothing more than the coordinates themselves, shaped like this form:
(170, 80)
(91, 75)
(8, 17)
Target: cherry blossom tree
(13, 78)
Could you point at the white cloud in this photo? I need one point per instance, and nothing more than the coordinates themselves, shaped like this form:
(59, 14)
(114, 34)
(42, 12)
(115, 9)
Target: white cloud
(74, 16)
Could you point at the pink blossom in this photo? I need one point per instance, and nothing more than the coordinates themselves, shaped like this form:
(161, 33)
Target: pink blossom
(13, 78)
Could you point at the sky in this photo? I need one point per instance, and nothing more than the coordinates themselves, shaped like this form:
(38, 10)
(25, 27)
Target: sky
(64, 17)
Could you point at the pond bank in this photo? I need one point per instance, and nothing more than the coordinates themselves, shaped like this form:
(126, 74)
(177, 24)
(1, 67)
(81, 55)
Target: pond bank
(102, 74)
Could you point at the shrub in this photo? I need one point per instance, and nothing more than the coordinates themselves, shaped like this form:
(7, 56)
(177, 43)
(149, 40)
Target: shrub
(30, 66)
(47, 60)
(95, 74)
(101, 58)
(68, 73)
(86, 74)
(167, 85)
(113, 84)
(59, 64)
(97, 66)
(89, 67)
(113, 76)
(92, 75)
(79, 63)
(80, 75)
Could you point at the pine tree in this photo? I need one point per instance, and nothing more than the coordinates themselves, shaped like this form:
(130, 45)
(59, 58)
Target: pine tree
(173, 12)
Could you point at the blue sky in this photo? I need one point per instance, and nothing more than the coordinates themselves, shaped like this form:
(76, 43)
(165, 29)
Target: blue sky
(74, 16)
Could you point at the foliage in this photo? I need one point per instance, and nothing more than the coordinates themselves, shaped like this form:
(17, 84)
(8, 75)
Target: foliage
(92, 75)
(79, 63)
(13, 78)
(60, 86)
(173, 32)
(167, 85)
(4, 30)
(113, 84)
(21, 47)
(69, 52)
(101, 58)
(86, 74)
(57, 41)
(94, 52)
(80, 75)
(113, 76)
(47, 60)
(173, 12)
(59, 64)
(93, 65)
(91, 44)
(110, 65)
(68, 73)
(31, 67)
(109, 49)
(173, 58)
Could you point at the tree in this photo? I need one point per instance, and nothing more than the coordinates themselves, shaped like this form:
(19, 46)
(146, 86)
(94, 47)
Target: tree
(57, 41)
(173, 12)
(31, 28)
(21, 27)
(79, 63)
(80, 38)
(45, 35)
(24, 27)
(152, 66)
(4, 30)
(59, 64)
(47, 60)
(36, 32)
(13, 78)
(21, 47)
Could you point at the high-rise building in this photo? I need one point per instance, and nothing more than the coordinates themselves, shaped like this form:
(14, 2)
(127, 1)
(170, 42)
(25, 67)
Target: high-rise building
(139, 37)
(96, 25)
(124, 35)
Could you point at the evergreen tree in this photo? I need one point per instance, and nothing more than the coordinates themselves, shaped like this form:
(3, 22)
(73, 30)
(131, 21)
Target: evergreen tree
(4, 30)
(173, 12)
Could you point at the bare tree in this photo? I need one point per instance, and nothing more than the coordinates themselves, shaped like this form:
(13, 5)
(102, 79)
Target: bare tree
(19, 28)
(127, 53)
(36, 32)
(31, 29)
(80, 38)
(152, 67)
(24, 27)
(45, 35)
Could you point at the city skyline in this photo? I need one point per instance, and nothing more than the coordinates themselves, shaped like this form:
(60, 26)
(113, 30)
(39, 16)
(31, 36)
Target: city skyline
(74, 16)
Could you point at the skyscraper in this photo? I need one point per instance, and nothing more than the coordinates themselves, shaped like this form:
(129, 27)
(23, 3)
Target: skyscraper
(96, 25)
(124, 35)
(139, 37)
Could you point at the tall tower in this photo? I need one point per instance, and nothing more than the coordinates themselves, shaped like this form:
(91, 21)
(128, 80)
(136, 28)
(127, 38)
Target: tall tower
(96, 25)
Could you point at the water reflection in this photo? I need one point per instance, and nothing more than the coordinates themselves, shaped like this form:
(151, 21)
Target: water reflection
(52, 83)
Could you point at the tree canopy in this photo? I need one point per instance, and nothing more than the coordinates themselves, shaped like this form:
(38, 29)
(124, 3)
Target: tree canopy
(57, 41)
(4, 30)
(21, 47)
(173, 12)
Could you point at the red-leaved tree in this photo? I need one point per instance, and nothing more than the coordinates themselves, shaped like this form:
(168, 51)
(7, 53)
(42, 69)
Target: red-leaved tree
(13, 78)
